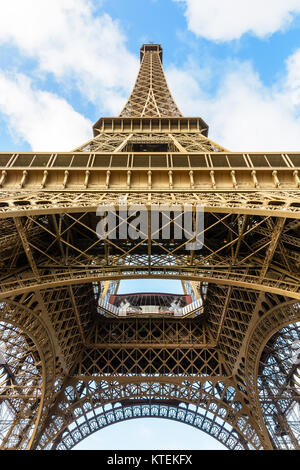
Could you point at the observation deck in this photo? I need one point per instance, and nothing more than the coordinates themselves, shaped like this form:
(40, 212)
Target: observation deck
(150, 304)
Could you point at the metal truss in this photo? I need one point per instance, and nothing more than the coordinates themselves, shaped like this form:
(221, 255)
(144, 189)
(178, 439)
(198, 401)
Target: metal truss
(277, 203)
(26, 374)
(151, 96)
(173, 142)
(69, 368)
(87, 402)
(238, 250)
(278, 392)
(187, 414)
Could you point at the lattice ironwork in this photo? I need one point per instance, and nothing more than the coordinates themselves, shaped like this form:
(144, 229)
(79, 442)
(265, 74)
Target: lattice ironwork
(69, 368)
(187, 414)
(151, 96)
(214, 399)
(278, 391)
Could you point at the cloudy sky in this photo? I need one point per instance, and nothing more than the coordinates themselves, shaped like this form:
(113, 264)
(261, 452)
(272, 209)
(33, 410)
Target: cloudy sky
(65, 63)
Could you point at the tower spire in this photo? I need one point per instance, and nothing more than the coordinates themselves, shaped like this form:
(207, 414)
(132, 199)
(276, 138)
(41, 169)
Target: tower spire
(150, 108)
(151, 96)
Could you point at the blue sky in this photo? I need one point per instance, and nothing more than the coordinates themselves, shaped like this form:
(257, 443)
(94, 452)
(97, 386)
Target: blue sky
(150, 434)
(65, 63)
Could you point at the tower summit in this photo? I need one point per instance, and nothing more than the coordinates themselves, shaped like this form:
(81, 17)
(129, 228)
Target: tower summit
(78, 356)
(151, 96)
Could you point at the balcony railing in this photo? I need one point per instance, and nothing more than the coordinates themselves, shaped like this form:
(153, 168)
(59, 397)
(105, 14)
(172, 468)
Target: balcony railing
(195, 307)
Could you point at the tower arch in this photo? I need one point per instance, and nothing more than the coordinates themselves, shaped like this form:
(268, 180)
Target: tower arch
(198, 404)
(27, 374)
(117, 414)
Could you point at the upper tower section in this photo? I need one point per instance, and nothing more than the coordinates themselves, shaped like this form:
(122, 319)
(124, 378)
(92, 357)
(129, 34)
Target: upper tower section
(150, 121)
(151, 96)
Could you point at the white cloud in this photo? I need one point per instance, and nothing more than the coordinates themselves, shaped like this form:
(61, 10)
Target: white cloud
(225, 20)
(69, 40)
(44, 120)
(243, 113)
(293, 77)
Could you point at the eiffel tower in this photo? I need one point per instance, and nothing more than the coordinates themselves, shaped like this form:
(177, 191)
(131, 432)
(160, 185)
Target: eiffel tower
(74, 358)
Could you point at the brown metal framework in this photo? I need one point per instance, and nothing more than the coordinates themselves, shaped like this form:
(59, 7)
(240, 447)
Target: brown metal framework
(70, 368)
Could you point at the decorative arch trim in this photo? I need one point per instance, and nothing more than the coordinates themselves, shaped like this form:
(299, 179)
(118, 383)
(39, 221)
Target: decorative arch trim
(118, 413)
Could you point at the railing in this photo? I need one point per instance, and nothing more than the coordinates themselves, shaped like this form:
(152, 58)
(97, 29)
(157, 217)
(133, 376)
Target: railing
(109, 307)
(148, 309)
(156, 171)
(193, 307)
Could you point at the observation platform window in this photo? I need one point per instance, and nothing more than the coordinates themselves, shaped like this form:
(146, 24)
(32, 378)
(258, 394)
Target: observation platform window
(259, 161)
(23, 160)
(180, 160)
(158, 160)
(4, 159)
(237, 161)
(295, 159)
(219, 161)
(141, 161)
(80, 160)
(62, 160)
(119, 160)
(150, 148)
(198, 160)
(276, 160)
(40, 160)
(102, 161)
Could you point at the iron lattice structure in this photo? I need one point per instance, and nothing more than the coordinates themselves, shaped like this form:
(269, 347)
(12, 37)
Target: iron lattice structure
(69, 368)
